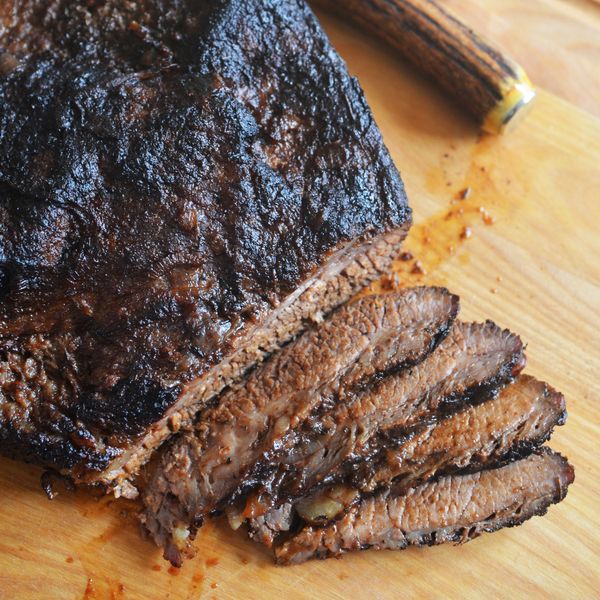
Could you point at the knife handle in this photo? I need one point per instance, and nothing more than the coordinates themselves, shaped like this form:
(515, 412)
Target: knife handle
(493, 88)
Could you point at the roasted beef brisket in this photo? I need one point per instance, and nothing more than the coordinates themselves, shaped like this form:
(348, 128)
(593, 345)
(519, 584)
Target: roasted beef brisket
(455, 508)
(185, 187)
(333, 397)
(236, 446)
(504, 427)
(183, 184)
(474, 360)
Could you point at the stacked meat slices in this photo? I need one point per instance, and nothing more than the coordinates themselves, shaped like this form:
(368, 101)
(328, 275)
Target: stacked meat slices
(388, 424)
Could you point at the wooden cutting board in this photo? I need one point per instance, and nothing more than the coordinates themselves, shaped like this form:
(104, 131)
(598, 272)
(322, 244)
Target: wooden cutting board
(524, 250)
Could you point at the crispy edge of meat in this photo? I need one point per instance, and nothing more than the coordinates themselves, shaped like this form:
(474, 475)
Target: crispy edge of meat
(386, 521)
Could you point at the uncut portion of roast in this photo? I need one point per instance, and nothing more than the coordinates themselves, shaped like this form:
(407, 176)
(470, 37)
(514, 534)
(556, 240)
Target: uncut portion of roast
(388, 393)
(184, 184)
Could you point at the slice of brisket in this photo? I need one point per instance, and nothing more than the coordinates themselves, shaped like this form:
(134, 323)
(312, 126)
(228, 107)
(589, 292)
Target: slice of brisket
(520, 418)
(255, 421)
(498, 430)
(455, 508)
(182, 185)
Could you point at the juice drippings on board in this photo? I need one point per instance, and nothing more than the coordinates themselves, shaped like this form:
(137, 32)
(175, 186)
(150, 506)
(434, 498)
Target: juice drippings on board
(474, 199)
(107, 574)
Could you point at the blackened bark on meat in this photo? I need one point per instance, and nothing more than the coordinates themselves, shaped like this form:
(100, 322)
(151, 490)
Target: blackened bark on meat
(456, 508)
(182, 184)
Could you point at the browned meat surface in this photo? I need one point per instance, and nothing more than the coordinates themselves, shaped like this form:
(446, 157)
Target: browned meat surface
(473, 361)
(255, 422)
(499, 429)
(183, 183)
(455, 508)
(519, 419)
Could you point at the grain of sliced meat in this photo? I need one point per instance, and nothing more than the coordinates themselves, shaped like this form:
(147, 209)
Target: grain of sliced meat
(504, 427)
(474, 361)
(255, 421)
(455, 508)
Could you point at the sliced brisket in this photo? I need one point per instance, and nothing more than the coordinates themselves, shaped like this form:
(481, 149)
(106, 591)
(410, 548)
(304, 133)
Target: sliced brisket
(519, 419)
(455, 508)
(497, 430)
(255, 421)
(472, 362)
(183, 184)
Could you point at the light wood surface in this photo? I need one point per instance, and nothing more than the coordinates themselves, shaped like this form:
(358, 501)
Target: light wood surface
(535, 269)
(556, 41)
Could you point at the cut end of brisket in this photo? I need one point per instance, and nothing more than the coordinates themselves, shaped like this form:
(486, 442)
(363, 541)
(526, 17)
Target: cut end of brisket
(503, 428)
(386, 396)
(255, 423)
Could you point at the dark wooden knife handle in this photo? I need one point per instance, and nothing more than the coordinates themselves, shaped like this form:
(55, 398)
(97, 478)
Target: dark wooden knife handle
(493, 88)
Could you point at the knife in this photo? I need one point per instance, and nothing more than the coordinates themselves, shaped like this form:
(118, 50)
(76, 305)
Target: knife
(491, 86)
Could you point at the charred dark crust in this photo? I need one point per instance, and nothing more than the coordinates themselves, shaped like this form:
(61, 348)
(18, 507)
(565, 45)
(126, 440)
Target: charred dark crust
(133, 407)
(170, 172)
(53, 451)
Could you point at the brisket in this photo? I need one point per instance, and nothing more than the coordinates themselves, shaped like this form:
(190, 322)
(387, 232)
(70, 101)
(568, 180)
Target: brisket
(255, 421)
(186, 187)
(455, 508)
(302, 439)
(498, 430)
(472, 362)
(183, 184)
(511, 425)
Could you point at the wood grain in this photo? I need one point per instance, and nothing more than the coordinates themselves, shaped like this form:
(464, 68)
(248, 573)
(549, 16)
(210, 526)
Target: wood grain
(541, 184)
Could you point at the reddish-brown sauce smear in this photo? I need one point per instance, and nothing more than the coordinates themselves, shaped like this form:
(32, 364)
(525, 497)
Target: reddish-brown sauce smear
(212, 562)
(118, 592)
(173, 571)
(90, 590)
(434, 240)
(93, 593)
(475, 196)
